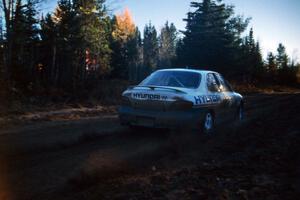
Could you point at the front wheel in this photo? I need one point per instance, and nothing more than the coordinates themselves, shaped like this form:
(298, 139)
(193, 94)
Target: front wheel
(208, 123)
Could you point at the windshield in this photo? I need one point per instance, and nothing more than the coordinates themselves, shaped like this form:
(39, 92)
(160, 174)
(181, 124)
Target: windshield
(173, 79)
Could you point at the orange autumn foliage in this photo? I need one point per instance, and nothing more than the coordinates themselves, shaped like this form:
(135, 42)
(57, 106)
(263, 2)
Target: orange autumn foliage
(124, 27)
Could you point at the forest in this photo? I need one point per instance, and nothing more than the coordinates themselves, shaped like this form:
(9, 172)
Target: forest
(80, 47)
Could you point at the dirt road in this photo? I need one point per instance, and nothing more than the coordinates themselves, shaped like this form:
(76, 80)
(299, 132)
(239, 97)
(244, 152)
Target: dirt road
(95, 158)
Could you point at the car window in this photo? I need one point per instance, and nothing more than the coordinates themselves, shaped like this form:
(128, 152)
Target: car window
(212, 83)
(173, 79)
(225, 86)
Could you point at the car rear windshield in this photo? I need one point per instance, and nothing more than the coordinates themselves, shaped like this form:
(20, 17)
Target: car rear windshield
(173, 79)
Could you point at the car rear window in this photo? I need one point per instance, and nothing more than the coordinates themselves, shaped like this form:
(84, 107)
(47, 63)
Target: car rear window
(173, 79)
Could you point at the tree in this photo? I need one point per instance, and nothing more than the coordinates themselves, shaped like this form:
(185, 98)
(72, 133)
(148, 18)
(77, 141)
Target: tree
(134, 47)
(30, 32)
(21, 35)
(48, 58)
(258, 65)
(124, 32)
(150, 49)
(287, 72)
(8, 8)
(271, 66)
(271, 63)
(65, 33)
(167, 45)
(251, 62)
(93, 50)
(78, 33)
(25, 37)
(282, 57)
(124, 26)
(213, 37)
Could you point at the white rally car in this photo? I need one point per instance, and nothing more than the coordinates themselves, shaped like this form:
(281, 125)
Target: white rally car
(174, 98)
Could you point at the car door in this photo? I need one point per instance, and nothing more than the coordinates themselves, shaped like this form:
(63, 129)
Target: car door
(214, 90)
(229, 96)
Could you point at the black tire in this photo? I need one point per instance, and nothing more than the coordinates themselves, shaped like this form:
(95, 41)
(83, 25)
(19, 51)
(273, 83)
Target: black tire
(240, 115)
(208, 123)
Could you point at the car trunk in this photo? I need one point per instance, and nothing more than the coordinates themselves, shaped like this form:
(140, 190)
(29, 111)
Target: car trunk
(158, 99)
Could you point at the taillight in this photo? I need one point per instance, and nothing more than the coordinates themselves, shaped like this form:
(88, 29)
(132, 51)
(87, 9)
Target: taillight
(126, 101)
(182, 105)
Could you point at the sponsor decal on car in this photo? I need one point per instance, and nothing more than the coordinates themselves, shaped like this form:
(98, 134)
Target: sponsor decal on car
(207, 99)
(149, 96)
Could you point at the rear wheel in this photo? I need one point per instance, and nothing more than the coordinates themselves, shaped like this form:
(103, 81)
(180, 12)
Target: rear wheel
(240, 113)
(208, 123)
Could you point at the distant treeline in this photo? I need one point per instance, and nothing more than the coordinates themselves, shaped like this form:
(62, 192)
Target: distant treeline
(80, 43)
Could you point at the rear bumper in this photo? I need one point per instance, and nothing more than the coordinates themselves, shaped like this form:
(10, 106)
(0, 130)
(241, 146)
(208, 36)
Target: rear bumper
(160, 119)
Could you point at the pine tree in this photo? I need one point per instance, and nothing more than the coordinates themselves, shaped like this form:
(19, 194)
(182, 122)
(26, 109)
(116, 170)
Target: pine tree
(25, 34)
(167, 45)
(251, 62)
(150, 49)
(286, 74)
(78, 33)
(212, 37)
(9, 10)
(282, 57)
(250, 42)
(93, 31)
(31, 33)
(258, 65)
(21, 37)
(134, 47)
(271, 63)
(48, 58)
(66, 38)
(271, 67)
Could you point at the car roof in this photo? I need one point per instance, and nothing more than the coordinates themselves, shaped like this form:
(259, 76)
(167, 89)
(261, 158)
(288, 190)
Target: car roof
(188, 70)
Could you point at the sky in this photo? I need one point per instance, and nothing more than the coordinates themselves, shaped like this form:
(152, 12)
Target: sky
(273, 21)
